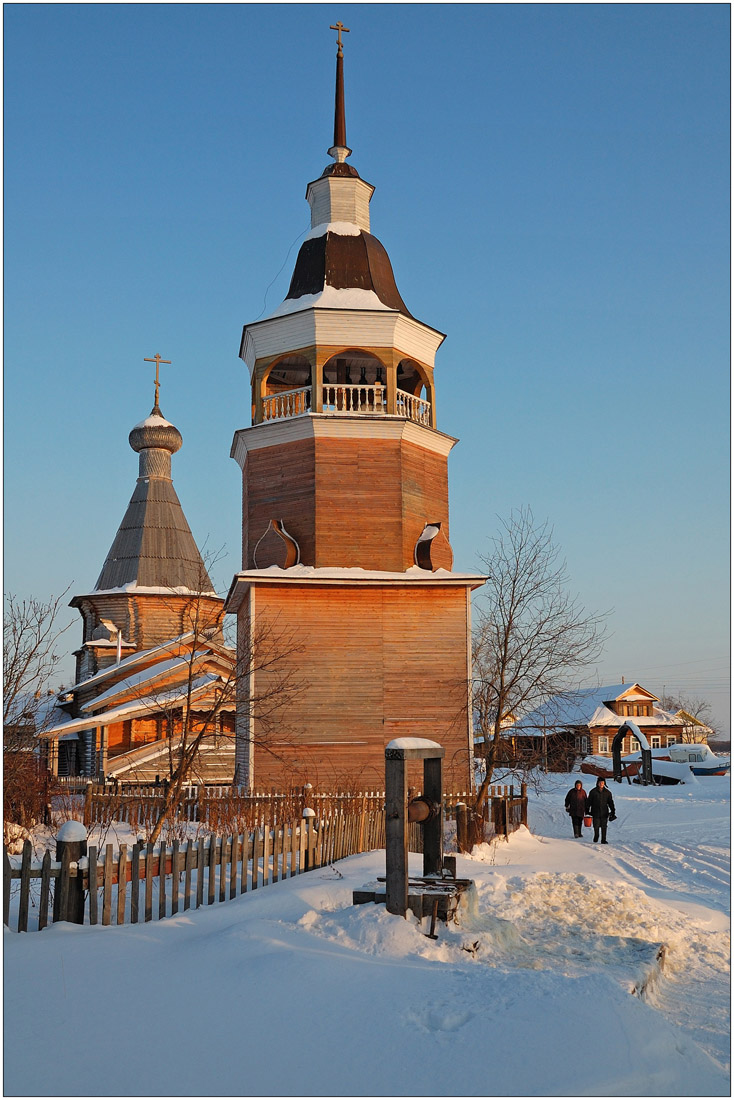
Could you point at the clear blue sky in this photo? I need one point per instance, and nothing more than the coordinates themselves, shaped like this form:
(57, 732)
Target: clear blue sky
(553, 191)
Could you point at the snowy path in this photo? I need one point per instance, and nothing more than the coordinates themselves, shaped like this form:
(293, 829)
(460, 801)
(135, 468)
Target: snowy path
(682, 860)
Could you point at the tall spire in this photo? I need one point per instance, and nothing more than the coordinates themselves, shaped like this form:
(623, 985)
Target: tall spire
(339, 151)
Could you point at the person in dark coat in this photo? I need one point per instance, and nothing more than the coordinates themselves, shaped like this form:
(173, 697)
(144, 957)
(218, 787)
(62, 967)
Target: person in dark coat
(576, 806)
(600, 805)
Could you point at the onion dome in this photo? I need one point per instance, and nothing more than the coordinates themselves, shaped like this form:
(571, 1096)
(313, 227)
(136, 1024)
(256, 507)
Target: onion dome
(155, 431)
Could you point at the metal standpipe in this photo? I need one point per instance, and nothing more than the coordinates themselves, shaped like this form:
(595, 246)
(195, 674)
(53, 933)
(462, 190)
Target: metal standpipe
(397, 818)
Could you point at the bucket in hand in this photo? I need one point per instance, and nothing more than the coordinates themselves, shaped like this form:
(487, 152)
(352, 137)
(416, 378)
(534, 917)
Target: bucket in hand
(587, 822)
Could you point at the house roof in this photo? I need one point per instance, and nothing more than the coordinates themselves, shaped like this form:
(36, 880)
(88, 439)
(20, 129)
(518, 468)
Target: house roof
(587, 707)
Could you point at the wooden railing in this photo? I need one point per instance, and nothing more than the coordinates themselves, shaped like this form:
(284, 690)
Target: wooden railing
(414, 408)
(281, 406)
(345, 398)
(341, 399)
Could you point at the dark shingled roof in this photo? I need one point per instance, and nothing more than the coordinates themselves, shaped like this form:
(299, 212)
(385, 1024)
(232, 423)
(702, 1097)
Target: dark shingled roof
(345, 262)
(154, 546)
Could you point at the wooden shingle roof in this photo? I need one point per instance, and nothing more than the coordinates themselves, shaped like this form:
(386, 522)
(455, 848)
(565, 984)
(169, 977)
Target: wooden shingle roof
(154, 547)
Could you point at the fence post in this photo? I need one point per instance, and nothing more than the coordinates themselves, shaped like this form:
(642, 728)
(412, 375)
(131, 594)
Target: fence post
(88, 805)
(524, 806)
(462, 826)
(71, 845)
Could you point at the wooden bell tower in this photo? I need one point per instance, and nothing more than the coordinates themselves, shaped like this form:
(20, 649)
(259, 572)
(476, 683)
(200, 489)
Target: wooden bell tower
(346, 559)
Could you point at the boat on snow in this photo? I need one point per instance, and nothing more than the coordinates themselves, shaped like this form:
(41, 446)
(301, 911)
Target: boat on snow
(700, 759)
(601, 766)
(669, 765)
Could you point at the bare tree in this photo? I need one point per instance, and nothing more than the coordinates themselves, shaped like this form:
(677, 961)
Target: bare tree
(533, 639)
(699, 709)
(30, 657)
(30, 660)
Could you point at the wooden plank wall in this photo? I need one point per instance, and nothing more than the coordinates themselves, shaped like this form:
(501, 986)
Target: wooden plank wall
(376, 662)
(347, 502)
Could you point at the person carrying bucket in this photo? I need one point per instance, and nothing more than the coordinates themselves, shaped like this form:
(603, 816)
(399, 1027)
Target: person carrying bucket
(576, 806)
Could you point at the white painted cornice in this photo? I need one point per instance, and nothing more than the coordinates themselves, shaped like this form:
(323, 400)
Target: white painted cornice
(344, 328)
(345, 578)
(325, 426)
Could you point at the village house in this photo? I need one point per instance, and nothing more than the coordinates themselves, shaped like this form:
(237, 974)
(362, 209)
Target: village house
(584, 723)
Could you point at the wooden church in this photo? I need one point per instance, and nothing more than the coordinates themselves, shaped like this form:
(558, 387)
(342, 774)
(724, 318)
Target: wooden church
(152, 646)
(347, 579)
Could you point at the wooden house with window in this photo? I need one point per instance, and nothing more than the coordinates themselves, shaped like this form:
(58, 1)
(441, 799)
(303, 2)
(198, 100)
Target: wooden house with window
(584, 722)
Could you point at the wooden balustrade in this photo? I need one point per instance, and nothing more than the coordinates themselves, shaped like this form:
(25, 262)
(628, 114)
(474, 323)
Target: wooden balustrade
(282, 406)
(341, 399)
(414, 408)
(344, 398)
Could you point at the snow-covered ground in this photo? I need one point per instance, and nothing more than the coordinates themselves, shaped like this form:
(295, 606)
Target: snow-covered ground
(292, 991)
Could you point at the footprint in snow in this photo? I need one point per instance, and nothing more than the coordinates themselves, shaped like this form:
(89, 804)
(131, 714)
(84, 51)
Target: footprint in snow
(437, 1019)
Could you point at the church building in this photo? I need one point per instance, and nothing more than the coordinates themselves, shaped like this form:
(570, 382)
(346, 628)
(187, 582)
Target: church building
(353, 623)
(152, 643)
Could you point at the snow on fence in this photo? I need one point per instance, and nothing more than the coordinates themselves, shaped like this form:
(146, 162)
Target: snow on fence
(144, 882)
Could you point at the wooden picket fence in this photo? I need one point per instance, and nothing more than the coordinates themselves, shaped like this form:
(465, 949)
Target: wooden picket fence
(224, 808)
(145, 882)
(221, 808)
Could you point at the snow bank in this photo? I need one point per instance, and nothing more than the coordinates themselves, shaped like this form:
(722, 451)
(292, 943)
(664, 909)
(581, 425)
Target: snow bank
(556, 934)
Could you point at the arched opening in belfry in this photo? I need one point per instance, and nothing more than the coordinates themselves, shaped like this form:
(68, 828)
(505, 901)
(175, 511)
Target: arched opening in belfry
(290, 373)
(354, 381)
(285, 389)
(414, 397)
(354, 367)
(412, 380)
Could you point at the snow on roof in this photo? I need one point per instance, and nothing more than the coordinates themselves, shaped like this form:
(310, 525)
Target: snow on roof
(154, 422)
(144, 590)
(344, 229)
(332, 298)
(153, 672)
(603, 716)
(133, 659)
(414, 572)
(150, 705)
(577, 708)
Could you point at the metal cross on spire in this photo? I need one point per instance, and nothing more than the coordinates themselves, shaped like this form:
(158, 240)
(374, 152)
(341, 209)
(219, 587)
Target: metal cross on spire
(339, 27)
(157, 360)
